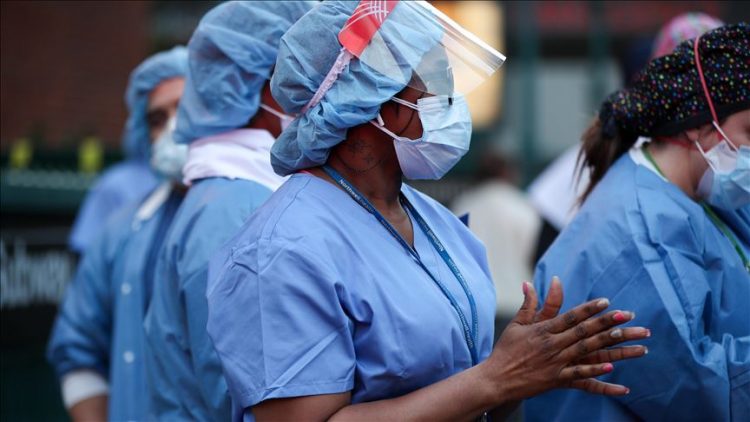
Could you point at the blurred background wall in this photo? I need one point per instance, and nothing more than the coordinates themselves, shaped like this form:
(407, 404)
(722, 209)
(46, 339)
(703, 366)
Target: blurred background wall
(62, 79)
(63, 72)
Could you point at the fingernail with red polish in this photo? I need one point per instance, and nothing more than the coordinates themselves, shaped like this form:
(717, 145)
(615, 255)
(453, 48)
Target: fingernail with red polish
(619, 317)
(608, 367)
(525, 287)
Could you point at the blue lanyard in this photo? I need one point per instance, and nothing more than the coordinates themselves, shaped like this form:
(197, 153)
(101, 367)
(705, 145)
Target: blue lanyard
(470, 330)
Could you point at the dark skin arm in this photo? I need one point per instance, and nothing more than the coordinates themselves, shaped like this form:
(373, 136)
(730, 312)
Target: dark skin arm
(91, 409)
(539, 351)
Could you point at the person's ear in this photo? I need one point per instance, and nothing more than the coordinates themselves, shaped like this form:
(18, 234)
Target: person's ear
(706, 135)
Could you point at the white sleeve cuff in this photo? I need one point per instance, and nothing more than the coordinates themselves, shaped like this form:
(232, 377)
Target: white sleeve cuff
(82, 384)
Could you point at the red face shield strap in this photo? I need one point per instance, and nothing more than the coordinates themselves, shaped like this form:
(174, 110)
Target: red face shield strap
(364, 23)
(354, 38)
(698, 66)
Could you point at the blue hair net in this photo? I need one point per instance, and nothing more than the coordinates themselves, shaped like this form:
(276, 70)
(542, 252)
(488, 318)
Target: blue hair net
(232, 53)
(306, 54)
(143, 79)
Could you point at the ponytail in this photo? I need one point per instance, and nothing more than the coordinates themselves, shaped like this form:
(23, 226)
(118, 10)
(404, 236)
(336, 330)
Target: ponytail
(602, 145)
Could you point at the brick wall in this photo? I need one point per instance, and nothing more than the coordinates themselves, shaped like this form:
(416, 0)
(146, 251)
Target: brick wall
(64, 68)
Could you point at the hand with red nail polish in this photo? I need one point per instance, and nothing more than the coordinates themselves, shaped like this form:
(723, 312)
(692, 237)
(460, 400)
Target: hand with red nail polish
(539, 351)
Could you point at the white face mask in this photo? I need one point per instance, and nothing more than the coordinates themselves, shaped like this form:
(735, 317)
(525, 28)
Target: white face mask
(167, 156)
(726, 182)
(446, 135)
(284, 119)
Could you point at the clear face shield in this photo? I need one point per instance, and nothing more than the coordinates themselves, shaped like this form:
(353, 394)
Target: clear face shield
(415, 44)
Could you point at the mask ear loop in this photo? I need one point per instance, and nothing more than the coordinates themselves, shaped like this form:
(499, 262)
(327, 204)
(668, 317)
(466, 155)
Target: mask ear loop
(381, 122)
(405, 103)
(381, 125)
(275, 112)
(715, 122)
(703, 153)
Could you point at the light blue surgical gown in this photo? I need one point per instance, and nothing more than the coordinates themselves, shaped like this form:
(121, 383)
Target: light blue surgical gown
(100, 323)
(185, 379)
(124, 183)
(314, 296)
(641, 242)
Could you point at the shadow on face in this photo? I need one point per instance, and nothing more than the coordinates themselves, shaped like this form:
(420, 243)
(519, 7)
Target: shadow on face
(162, 105)
(400, 119)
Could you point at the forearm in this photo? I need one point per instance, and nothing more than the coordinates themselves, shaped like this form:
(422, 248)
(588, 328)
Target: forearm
(85, 395)
(92, 409)
(464, 396)
(81, 335)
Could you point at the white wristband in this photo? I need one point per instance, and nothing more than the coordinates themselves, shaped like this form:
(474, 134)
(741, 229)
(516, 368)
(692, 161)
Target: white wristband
(82, 384)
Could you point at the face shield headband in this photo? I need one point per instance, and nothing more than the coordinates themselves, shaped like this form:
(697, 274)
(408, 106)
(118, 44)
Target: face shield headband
(448, 59)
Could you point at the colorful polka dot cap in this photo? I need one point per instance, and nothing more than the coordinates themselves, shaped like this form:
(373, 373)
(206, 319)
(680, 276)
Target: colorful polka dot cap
(667, 96)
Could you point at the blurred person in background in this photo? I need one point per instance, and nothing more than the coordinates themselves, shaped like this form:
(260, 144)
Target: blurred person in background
(501, 217)
(349, 295)
(681, 28)
(131, 180)
(96, 345)
(664, 230)
(230, 120)
(554, 193)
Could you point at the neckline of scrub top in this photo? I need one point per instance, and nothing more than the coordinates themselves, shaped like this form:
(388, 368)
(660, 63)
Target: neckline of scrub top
(328, 192)
(331, 193)
(728, 233)
(470, 329)
(637, 154)
(715, 219)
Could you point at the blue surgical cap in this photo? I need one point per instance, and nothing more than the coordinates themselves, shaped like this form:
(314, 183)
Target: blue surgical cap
(143, 79)
(306, 54)
(231, 56)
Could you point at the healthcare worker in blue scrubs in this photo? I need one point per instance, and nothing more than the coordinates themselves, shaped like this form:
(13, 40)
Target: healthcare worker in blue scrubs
(230, 121)
(351, 296)
(96, 346)
(131, 180)
(665, 231)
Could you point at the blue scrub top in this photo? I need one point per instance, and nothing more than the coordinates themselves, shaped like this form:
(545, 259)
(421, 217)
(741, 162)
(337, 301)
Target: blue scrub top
(124, 183)
(314, 296)
(100, 322)
(184, 373)
(641, 242)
